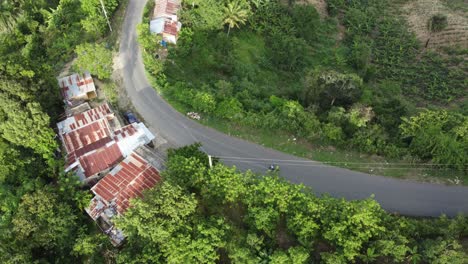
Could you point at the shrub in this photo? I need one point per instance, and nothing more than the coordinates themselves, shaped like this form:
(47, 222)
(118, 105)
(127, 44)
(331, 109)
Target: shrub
(332, 133)
(229, 108)
(437, 22)
(204, 102)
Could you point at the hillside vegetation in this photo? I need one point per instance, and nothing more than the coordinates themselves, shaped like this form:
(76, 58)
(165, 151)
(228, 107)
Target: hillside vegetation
(356, 77)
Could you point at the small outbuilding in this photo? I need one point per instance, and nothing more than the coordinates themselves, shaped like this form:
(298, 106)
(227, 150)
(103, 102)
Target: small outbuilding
(165, 21)
(77, 87)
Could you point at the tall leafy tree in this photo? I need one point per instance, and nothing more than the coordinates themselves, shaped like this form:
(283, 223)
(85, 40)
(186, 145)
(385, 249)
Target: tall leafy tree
(95, 21)
(23, 121)
(95, 58)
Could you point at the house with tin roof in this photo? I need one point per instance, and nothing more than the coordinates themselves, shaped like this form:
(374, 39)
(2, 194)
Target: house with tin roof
(112, 194)
(165, 21)
(94, 142)
(76, 88)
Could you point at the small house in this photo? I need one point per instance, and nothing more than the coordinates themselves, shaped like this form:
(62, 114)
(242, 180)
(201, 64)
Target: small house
(95, 142)
(165, 21)
(112, 194)
(77, 87)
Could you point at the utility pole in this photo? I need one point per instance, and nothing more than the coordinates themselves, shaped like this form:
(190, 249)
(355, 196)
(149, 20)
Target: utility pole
(210, 161)
(105, 14)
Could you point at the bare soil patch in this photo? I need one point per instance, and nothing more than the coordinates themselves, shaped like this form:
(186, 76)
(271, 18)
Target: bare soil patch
(320, 5)
(419, 12)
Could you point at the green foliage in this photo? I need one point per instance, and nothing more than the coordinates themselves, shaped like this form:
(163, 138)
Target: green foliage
(95, 58)
(43, 220)
(165, 221)
(204, 102)
(249, 218)
(437, 22)
(309, 19)
(439, 136)
(95, 22)
(205, 14)
(9, 13)
(22, 120)
(230, 109)
(236, 13)
(150, 43)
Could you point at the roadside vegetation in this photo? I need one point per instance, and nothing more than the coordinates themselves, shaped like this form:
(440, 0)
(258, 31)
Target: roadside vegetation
(356, 79)
(225, 216)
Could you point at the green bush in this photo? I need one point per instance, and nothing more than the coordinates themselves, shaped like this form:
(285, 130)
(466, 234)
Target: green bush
(95, 58)
(437, 22)
(203, 102)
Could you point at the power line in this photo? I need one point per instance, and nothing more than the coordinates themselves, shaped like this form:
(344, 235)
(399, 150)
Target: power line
(315, 163)
(354, 167)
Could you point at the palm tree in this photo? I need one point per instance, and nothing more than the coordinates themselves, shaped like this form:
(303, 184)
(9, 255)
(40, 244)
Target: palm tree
(235, 13)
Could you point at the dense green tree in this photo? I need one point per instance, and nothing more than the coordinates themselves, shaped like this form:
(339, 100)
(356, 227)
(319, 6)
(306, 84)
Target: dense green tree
(204, 102)
(230, 109)
(331, 88)
(309, 19)
(256, 219)
(9, 12)
(43, 222)
(95, 58)
(23, 121)
(166, 221)
(437, 135)
(95, 22)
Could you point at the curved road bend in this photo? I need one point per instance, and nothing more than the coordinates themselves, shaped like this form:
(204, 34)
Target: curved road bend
(404, 197)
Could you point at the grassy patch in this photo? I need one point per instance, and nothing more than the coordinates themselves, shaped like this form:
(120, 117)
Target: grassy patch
(249, 47)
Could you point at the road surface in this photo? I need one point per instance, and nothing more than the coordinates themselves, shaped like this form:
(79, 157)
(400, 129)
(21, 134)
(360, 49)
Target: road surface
(404, 197)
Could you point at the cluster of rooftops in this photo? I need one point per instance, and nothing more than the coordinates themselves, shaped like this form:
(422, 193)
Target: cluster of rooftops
(165, 21)
(103, 154)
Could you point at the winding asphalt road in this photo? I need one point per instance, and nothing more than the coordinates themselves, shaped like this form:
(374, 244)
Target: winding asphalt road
(404, 197)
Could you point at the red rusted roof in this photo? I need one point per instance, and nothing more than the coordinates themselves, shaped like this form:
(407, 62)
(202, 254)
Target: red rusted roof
(85, 118)
(126, 181)
(76, 85)
(100, 160)
(89, 137)
(166, 8)
(170, 27)
(124, 132)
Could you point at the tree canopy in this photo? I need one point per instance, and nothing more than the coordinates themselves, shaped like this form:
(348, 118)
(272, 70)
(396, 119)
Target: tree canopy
(219, 215)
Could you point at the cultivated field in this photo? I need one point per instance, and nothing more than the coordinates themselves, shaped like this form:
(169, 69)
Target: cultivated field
(419, 12)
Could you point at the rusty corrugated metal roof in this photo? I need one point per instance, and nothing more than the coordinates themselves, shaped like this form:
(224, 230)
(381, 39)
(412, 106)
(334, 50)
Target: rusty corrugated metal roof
(126, 181)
